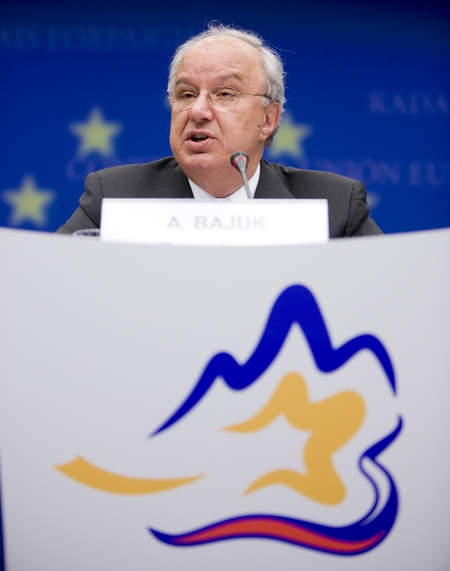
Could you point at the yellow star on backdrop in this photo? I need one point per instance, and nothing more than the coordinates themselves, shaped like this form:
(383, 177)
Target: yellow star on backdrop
(28, 202)
(96, 134)
(289, 139)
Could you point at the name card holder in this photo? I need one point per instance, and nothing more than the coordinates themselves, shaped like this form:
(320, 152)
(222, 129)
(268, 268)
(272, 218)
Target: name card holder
(272, 222)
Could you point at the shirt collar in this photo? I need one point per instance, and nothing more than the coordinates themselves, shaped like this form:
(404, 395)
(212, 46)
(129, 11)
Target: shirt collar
(239, 194)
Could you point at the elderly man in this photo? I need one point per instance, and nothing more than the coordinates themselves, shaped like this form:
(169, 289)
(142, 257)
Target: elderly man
(226, 89)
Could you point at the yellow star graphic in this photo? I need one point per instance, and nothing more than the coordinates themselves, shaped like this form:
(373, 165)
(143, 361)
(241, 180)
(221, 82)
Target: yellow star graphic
(28, 202)
(289, 138)
(95, 134)
(332, 422)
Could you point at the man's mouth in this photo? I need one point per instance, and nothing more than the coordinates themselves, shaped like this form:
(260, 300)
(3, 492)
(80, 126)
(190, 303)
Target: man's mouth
(199, 137)
(198, 141)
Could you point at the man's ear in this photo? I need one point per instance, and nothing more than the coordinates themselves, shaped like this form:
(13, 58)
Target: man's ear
(272, 113)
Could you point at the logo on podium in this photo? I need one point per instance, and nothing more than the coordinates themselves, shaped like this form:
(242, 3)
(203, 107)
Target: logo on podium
(330, 423)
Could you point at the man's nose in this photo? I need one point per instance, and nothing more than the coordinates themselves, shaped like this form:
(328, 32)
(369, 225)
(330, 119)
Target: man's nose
(202, 110)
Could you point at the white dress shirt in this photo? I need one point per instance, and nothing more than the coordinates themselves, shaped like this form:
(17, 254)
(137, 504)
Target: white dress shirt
(239, 194)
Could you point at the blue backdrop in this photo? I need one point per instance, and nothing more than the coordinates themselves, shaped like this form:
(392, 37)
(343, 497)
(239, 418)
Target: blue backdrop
(368, 87)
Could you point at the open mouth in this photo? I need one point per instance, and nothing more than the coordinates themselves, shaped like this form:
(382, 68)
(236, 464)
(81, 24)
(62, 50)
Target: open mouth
(199, 137)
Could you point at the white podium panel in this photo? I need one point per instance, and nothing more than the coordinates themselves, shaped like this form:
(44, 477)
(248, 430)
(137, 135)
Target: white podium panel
(171, 408)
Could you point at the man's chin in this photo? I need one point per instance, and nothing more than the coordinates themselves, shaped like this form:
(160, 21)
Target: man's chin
(200, 162)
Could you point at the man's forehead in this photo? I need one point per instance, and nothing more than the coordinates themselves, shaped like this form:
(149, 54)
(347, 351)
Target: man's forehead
(228, 58)
(222, 47)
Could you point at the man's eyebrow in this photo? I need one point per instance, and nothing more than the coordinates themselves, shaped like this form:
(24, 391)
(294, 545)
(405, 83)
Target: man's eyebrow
(182, 82)
(221, 80)
(228, 76)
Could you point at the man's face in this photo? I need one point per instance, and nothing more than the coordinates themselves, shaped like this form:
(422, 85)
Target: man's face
(204, 137)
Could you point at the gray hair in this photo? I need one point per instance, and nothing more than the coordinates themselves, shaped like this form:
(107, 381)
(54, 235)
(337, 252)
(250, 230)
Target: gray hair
(271, 61)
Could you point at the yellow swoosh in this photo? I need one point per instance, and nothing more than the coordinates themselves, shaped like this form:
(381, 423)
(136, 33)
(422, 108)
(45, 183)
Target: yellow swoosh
(88, 474)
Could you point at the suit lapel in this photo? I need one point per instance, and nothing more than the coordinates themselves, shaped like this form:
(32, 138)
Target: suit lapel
(270, 185)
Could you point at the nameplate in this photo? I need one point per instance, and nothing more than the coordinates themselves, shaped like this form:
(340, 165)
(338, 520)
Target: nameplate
(187, 222)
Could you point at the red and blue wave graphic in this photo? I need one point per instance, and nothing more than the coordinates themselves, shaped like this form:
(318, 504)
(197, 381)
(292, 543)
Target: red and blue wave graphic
(352, 539)
(297, 304)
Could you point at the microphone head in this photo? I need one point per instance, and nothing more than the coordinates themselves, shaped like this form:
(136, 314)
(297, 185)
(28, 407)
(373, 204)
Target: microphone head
(239, 161)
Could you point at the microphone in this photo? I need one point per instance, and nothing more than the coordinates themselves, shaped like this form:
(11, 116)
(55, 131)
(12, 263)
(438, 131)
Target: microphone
(239, 161)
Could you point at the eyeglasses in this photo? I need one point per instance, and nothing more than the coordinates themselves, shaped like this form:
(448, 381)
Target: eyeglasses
(184, 96)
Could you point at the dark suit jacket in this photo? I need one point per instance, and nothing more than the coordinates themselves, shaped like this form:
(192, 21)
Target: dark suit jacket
(347, 198)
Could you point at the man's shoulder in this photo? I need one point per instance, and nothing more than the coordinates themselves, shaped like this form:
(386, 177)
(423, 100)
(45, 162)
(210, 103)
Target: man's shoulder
(347, 197)
(304, 181)
(160, 166)
(132, 180)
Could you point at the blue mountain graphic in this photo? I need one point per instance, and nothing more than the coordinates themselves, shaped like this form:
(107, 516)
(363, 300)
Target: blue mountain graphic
(296, 304)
